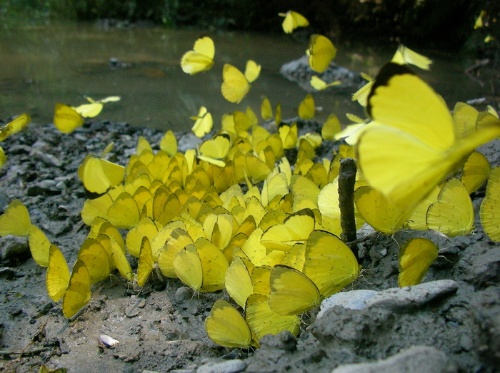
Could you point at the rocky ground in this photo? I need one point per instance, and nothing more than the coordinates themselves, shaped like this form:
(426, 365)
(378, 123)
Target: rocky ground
(451, 323)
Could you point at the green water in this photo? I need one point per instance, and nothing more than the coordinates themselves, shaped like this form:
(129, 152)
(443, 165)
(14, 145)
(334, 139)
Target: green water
(66, 62)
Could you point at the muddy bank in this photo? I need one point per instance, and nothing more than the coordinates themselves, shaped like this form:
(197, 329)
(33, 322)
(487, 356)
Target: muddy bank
(160, 327)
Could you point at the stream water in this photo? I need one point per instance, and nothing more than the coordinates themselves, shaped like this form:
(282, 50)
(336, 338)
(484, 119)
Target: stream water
(65, 62)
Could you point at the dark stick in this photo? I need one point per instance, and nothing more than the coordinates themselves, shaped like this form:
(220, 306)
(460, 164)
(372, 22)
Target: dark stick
(347, 178)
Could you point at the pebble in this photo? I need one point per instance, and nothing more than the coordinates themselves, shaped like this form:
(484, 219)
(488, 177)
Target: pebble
(230, 366)
(183, 293)
(416, 359)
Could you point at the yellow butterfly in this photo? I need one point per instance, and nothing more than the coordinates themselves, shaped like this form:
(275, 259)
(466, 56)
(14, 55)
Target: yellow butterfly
(453, 213)
(201, 266)
(95, 107)
(415, 258)
(15, 220)
(39, 246)
(203, 122)
(67, 119)
(119, 260)
(226, 327)
(491, 205)
(329, 263)
(74, 289)
(414, 144)
(146, 263)
(292, 292)
(475, 172)
(319, 84)
(96, 258)
(288, 135)
(3, 157)
(266, 110)
(405, 56)
(307, 108)
(296, 228)
(179, 239)
(78, 293)
(14, 126)
(201, 58)
(381, 213)
(321, 52)
(263, 320)
(292, 21)
(331, 127)
(238, 282)
(123, 212)
(146, 227)
(215, 150)
(168, 143)
(236, 85)
(98, 174)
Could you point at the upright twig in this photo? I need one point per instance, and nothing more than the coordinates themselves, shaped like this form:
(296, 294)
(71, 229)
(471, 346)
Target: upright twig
(347, 178)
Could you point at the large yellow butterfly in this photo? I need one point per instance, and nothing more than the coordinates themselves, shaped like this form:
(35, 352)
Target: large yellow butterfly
(490, 218)
(201, 58)
(236, 85)
(67, 119)
(415, 258)
(14, 126)
(321, 52)
(414, 144)
(292, 21)
(98, 174)
(226, 327)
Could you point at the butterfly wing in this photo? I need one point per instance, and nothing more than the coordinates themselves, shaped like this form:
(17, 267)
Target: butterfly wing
(15, 220)
(415, 258)
(490, 218)
(235, 85)
(57, 276)
(66, 119)
(226, 327)
(201, 58)
(78, 293)
(39, 246)
(292, 292)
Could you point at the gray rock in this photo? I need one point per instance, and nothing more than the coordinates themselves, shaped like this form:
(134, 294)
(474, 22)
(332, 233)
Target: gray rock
(354, 300)
(299, 71)
(416, 359)
(412, 296)
(229, 366)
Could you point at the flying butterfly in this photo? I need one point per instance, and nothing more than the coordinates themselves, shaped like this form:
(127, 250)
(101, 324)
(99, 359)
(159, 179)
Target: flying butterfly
(292, 21)
(414, 144)
(235, 84)
(67, 119)
(201, 58)
(321, 52)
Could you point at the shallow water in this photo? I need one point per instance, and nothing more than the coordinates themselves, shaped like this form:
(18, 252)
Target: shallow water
(65, 62)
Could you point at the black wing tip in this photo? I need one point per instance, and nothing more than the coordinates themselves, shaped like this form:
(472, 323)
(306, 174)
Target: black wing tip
(388, 71)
